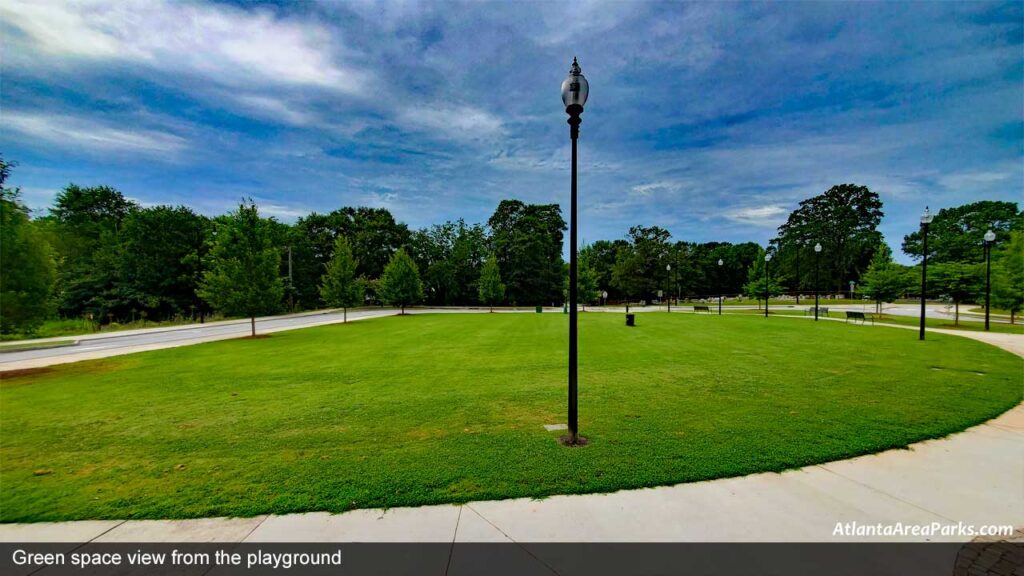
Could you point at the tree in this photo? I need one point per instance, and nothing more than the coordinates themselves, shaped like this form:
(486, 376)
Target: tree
(400, 283)
(755, 288)
(961, 282)
(956, 234)
(338, 286)
(1008, 275)
(527, 241)
(160, 247)
(651, 250)
(490, 288)
(845, 221)
(885, 280)
(26, 263)
(586, 282)
(626, 276)
(244, 275)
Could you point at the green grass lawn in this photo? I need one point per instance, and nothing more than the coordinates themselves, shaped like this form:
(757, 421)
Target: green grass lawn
(450, 408)
(970, 324)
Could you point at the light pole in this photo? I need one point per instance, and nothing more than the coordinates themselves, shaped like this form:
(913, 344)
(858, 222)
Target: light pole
(575, 90)
(767, 259)
(926, 219)
(990, 237)
(668, 268)
(720, 286)
(604, 298)
(817, 251)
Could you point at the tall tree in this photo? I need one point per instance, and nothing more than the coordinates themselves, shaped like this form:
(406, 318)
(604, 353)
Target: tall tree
(26, 263)
(885, 280)
(586, 282)
(339, 286)
(491, 289)
(651, 249)
(1008, 275)
(400, 283)
(844, 219)
(527, 241)
(627, 276)
(956, 234)
(244, 275)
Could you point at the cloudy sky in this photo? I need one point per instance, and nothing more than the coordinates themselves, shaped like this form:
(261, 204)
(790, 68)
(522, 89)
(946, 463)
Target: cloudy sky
(710, 119)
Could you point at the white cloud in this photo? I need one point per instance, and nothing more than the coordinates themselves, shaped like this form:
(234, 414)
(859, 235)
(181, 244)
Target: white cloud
(274, 109)
(653, 187)
(458, 122)
(90, 135)
(224, 45)
(764, 216)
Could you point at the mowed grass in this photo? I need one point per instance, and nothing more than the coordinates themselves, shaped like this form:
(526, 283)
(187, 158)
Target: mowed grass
(429, 409)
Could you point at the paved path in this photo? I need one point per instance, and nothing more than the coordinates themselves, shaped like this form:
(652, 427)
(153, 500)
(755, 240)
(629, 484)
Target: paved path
(975, 477)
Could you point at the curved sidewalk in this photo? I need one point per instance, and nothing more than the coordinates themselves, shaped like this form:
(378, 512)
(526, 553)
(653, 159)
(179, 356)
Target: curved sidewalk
(974, 479)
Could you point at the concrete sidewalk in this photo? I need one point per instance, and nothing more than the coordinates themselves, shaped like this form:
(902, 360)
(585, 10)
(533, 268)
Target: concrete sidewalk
(975, 477)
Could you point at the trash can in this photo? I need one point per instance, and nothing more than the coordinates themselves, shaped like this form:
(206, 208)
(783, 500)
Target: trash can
(539, 309)
(630, 319)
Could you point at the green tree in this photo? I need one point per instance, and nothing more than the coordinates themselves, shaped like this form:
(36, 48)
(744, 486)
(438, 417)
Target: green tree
(960, 282)
(844, 219)
(527, 241)
(885, 280)
(338, 286)
(244, 274)
(627, 274)
(26, 263)
(586, 282)
(755, 287)
(490, 286)
(1008, 275)
(400, 283)
(955, 234)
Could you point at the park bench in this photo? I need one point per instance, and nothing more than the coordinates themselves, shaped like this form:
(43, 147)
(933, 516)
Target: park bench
(701, 309)
(852, 315)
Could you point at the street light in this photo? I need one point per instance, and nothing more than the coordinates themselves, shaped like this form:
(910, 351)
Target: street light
(799, 243)
(720, 286)
(767, 259)
(668, 268)
(604, 298)
(990, 237)
(926, 219)
(575, 90)
(817, 251)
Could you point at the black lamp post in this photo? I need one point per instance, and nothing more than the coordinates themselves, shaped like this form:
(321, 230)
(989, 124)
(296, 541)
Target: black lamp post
(926, 219)
(720, 286)
(668, 268)
(574, 95)
(990, 237)
(767, 259)
(817, 251)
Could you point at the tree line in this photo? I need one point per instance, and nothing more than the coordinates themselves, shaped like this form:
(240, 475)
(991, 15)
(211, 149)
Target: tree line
(99, 255)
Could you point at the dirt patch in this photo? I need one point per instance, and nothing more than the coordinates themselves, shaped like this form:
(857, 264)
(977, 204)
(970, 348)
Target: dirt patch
(10, 374)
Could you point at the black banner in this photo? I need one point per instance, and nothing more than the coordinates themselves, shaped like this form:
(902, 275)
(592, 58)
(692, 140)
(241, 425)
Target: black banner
(520, 559)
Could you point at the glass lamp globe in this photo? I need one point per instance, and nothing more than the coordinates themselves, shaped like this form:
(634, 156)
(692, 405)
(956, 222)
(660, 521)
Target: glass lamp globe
(575, 88)
(817, 247)
(990, 236)
(927, 217)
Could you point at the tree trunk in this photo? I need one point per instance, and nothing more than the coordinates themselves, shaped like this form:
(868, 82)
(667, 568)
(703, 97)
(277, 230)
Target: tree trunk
(403, 310)
(252, 320)
(1011, 317)
(344, 314)
(956, 313)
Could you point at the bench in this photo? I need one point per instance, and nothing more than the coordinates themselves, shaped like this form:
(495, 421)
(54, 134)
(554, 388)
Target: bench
(851, 315)
(822, 311)
(701, 309)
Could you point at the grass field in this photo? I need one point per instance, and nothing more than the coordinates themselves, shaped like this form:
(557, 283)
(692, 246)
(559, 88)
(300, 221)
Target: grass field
(450, 408)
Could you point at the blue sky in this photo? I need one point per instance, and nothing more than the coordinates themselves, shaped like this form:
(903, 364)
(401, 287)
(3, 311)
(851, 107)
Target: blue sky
(711, 119)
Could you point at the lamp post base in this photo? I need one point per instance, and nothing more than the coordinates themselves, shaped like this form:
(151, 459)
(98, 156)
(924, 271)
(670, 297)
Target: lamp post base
(567, 440)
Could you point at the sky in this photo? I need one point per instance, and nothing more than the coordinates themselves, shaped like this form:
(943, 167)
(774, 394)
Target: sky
(712, 120)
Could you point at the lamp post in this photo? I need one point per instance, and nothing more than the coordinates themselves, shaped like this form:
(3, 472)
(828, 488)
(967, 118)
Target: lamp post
(767, 259)
(668, 268)
(926, 219)
(604, 298)
(817, 251)
(720, 286)
(575, 90)
(990, 237)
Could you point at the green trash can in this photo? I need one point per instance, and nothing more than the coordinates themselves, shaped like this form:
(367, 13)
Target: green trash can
(539, 309)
